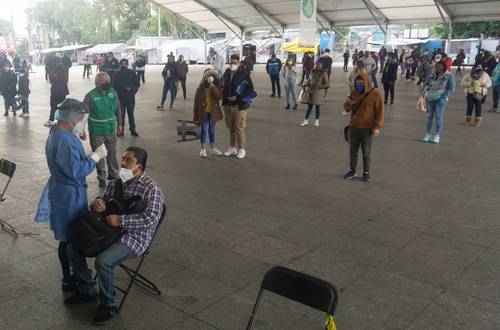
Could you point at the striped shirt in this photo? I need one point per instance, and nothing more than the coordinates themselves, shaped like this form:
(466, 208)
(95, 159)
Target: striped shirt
(139, 228)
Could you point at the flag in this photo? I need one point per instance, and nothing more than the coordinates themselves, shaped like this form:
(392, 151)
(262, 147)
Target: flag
(307, 34)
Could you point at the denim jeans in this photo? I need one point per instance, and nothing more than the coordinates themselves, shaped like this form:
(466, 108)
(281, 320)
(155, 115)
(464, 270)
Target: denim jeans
(374, 78)
(496, 95)
(275, 83)
(207, 126)
(310, 108)
(473, 104)
(169, 85)
(25, 102)
(291, 88)
(128, 108)
(435, 109)
(105, 263)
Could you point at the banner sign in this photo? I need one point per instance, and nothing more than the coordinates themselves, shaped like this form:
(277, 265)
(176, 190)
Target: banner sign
(308, 30)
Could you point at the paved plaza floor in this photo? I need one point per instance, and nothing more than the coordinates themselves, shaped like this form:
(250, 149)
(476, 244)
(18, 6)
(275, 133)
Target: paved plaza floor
(418, 248)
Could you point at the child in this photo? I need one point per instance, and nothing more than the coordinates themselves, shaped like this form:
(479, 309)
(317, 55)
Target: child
(24, 92)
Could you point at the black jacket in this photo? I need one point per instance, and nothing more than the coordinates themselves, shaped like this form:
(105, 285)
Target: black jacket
(231, 81)
(111, 66)
(8, 84)
(140, 63)
(390, 71)
(126, 78)
(174, 74)
(24, 86)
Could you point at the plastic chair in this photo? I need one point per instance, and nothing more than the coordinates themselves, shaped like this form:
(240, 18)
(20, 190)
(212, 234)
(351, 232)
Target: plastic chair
(7, 168)
(299, 287)
(135, 276)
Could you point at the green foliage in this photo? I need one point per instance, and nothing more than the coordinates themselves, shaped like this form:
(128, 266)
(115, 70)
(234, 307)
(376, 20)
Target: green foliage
(102, 21)
(467, 30)
(5, 28)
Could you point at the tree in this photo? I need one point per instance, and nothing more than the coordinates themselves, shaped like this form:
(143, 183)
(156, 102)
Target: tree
(467, 30)
(5, 28)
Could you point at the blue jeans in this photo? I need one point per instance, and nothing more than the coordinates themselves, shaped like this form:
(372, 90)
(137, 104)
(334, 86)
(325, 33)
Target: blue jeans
(105, 262)
(208, 125)
(128, 108)
(25, 102)
(373, 74)
(169, 85)
(310, 109)
(291, 88)
(496, 95)
(436, 109)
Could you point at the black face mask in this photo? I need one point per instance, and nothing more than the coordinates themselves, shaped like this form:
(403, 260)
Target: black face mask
(105, 86)
(124, 67)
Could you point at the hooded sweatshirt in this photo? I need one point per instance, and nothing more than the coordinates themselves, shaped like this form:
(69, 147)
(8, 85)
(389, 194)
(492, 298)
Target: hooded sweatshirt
(368, 109)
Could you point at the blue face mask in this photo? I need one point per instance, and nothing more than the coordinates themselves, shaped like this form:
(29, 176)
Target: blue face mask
(360, 88)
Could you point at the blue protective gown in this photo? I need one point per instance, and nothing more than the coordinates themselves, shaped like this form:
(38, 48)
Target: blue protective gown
(67, 186)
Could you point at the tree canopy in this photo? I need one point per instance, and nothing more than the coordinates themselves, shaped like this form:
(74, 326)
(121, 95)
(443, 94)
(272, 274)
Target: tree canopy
(467, 30)
(101, 21)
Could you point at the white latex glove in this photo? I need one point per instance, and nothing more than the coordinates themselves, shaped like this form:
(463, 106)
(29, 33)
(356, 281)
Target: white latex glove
(100, 153)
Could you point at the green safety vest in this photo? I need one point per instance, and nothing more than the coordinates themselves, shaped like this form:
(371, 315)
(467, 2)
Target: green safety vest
(102, 119)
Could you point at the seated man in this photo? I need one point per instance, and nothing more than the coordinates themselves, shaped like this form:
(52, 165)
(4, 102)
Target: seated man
(138, 230)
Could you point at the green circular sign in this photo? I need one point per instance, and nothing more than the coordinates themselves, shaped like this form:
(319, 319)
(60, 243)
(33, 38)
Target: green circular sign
(308, 8)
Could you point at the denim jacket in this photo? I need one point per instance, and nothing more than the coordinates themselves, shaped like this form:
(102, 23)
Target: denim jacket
(445, 84)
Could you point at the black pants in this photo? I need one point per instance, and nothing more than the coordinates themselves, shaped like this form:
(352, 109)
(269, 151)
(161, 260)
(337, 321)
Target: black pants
(55, 99)
(64, 260)
(382, 62)
(305, 75)
(86, 70)
(183, 85)
(127, 108)
(140, 75)
(346, 63)
(275, 83)
(360, 137)
(388, 89)
(473, 104)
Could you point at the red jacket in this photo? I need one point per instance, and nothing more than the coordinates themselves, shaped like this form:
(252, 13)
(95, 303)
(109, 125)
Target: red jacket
(448, 64)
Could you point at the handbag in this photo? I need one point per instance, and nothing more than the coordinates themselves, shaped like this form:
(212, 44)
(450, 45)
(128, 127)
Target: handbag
(304, 96)
(422, 104)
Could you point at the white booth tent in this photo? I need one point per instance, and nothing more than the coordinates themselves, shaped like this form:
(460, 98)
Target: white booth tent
(106, 48)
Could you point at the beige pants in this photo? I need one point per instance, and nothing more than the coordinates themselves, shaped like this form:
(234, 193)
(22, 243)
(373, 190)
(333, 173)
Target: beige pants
(236, 121)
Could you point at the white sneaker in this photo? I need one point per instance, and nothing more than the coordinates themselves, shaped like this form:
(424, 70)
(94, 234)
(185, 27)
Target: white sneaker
(203, 153)
(304, 123)
(49, 123)
(241, 154)
(215, 152)
(231, 152)
(344, 113)
(316, 123)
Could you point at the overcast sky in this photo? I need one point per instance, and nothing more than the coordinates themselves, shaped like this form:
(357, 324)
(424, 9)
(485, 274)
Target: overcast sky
(17, 8)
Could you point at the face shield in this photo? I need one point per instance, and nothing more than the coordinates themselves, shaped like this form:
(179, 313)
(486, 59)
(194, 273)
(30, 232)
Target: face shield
(74, 113)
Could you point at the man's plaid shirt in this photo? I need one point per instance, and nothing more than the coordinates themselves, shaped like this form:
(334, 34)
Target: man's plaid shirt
(139, 228)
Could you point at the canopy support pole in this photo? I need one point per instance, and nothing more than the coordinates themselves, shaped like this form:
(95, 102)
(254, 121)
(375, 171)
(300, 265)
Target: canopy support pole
(205, 42)
(450, 32)
(385, 33)
(159, 21)
(282, 40)
(242, 35)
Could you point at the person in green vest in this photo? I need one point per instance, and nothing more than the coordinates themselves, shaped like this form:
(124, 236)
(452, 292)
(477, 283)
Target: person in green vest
(104, 124)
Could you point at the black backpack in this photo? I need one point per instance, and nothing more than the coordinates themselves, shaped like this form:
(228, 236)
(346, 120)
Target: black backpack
(90, 234)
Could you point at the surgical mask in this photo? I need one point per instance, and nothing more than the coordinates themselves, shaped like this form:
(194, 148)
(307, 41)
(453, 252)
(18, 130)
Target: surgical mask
(21, 75)
(105, 86)
(210, 80)
(126, 174)
(360, 88)
(290, 62)
(233, 67)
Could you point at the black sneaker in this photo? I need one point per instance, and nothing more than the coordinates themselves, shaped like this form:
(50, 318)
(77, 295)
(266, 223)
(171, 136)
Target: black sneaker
(287, 106)
(102, 183)
(134, 133)
(80, 298)
(295, 107)
(272, 95)
(367, 177)
(349, 175)
(70, 284)
(104, 314)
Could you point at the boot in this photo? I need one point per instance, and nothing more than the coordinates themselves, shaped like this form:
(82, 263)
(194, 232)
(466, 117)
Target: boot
(477, 121)
(468, 120)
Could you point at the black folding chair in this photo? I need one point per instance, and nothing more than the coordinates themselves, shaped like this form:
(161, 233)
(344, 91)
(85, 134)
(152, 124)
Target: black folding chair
(135, 276)
(299, 287)
(187, 128)
(7, 168)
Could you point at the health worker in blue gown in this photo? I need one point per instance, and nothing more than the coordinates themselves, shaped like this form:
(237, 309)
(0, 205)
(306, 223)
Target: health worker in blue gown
(65, 195)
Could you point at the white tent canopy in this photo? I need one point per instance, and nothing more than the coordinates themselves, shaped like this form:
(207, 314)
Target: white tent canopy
(249, 15)
(106, 48)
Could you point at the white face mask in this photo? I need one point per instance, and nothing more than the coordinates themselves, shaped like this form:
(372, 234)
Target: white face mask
(233, 67)
(210, 79)
(21, 75)
(126, 174)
